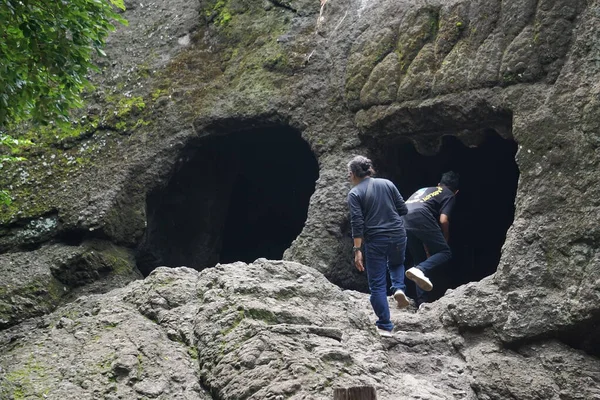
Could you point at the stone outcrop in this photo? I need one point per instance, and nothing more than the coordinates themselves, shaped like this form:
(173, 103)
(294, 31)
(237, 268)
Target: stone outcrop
(271, 329)
(35, 282)
(351, 77)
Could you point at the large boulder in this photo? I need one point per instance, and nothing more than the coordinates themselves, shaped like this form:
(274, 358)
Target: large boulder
(271, 329)
(35, 282)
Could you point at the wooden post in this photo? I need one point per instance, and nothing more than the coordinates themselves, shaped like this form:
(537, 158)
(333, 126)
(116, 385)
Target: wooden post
(355, 393)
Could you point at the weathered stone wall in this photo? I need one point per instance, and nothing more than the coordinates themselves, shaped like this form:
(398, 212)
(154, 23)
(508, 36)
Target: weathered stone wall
(350, 76)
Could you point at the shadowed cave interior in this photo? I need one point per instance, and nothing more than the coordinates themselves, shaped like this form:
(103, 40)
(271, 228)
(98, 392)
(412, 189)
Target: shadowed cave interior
(484, 207)
(236, 197)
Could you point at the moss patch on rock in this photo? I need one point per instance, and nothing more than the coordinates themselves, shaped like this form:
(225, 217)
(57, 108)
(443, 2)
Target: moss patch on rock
(237, 53)
(57, 154)
(36, 296)
(25, 382)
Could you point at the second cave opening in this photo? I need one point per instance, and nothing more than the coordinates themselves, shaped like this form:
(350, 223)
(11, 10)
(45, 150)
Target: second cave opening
(484, 207)
(233, 197)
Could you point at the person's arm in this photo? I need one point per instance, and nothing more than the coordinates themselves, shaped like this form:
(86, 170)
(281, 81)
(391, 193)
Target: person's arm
(445, 211)
(399, 202)
(445, 225)
(358, 256)
(357, 223)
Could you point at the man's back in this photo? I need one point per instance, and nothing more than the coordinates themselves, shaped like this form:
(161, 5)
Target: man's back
(380, 208)
(431, 200)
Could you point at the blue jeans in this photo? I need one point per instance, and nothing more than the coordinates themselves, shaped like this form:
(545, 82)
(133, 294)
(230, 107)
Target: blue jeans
(422, 231)
(384, 254)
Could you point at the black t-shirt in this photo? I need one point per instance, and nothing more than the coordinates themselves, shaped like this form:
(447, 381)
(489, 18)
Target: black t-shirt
(436, 200)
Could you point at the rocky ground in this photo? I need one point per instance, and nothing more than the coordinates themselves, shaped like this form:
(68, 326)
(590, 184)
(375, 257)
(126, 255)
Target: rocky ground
(271, 329)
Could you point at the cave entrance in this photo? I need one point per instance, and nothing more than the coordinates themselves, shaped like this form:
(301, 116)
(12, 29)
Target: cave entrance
(236, 197)
(484, 207)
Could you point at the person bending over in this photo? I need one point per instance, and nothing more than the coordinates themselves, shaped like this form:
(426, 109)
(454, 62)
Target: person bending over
(376, 209)
(428, 230)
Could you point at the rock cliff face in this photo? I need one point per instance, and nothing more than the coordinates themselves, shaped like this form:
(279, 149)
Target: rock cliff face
(348, 77)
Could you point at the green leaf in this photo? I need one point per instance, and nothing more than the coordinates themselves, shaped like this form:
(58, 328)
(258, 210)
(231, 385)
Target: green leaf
(118, 3)
(5, 198)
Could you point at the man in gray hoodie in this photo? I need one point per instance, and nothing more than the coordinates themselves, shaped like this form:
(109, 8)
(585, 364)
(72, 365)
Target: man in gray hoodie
(376, 209)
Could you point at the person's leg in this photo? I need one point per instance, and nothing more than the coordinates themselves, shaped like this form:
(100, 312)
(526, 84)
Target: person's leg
(376, 267)
(415, 247)
(422, 296)
(417, 252)
(439, 251)
(396, 256)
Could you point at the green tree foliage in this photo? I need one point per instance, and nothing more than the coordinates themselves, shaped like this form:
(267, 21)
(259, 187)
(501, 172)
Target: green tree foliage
(46, 49)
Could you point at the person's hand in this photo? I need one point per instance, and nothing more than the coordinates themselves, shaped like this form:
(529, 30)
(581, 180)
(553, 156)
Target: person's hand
(358, 260)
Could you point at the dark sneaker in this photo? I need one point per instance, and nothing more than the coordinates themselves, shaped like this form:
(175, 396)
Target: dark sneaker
(401, 299)
(418, 277)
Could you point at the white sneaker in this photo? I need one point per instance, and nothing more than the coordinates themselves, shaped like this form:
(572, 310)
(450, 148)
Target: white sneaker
(418, 277)
(401, 299)
(384, 333)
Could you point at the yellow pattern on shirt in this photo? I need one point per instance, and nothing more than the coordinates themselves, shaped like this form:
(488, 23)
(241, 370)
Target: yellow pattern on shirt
(424, 199)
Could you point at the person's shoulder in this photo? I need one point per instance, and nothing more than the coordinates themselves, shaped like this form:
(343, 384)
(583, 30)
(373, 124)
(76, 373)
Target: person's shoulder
(354, 191)
(384, 181)
(426, 190)
(447, 191)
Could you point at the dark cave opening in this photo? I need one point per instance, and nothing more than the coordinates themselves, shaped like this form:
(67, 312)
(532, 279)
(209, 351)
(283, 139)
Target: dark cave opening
(237, 197)
(484, 207)
(584, 335)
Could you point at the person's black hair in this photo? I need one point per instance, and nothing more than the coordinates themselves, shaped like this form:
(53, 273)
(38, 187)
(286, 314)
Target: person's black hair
(450, 179)
(361, 167)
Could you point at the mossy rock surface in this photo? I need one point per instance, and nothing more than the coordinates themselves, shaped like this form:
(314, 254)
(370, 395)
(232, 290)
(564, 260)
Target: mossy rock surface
(36, 282)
